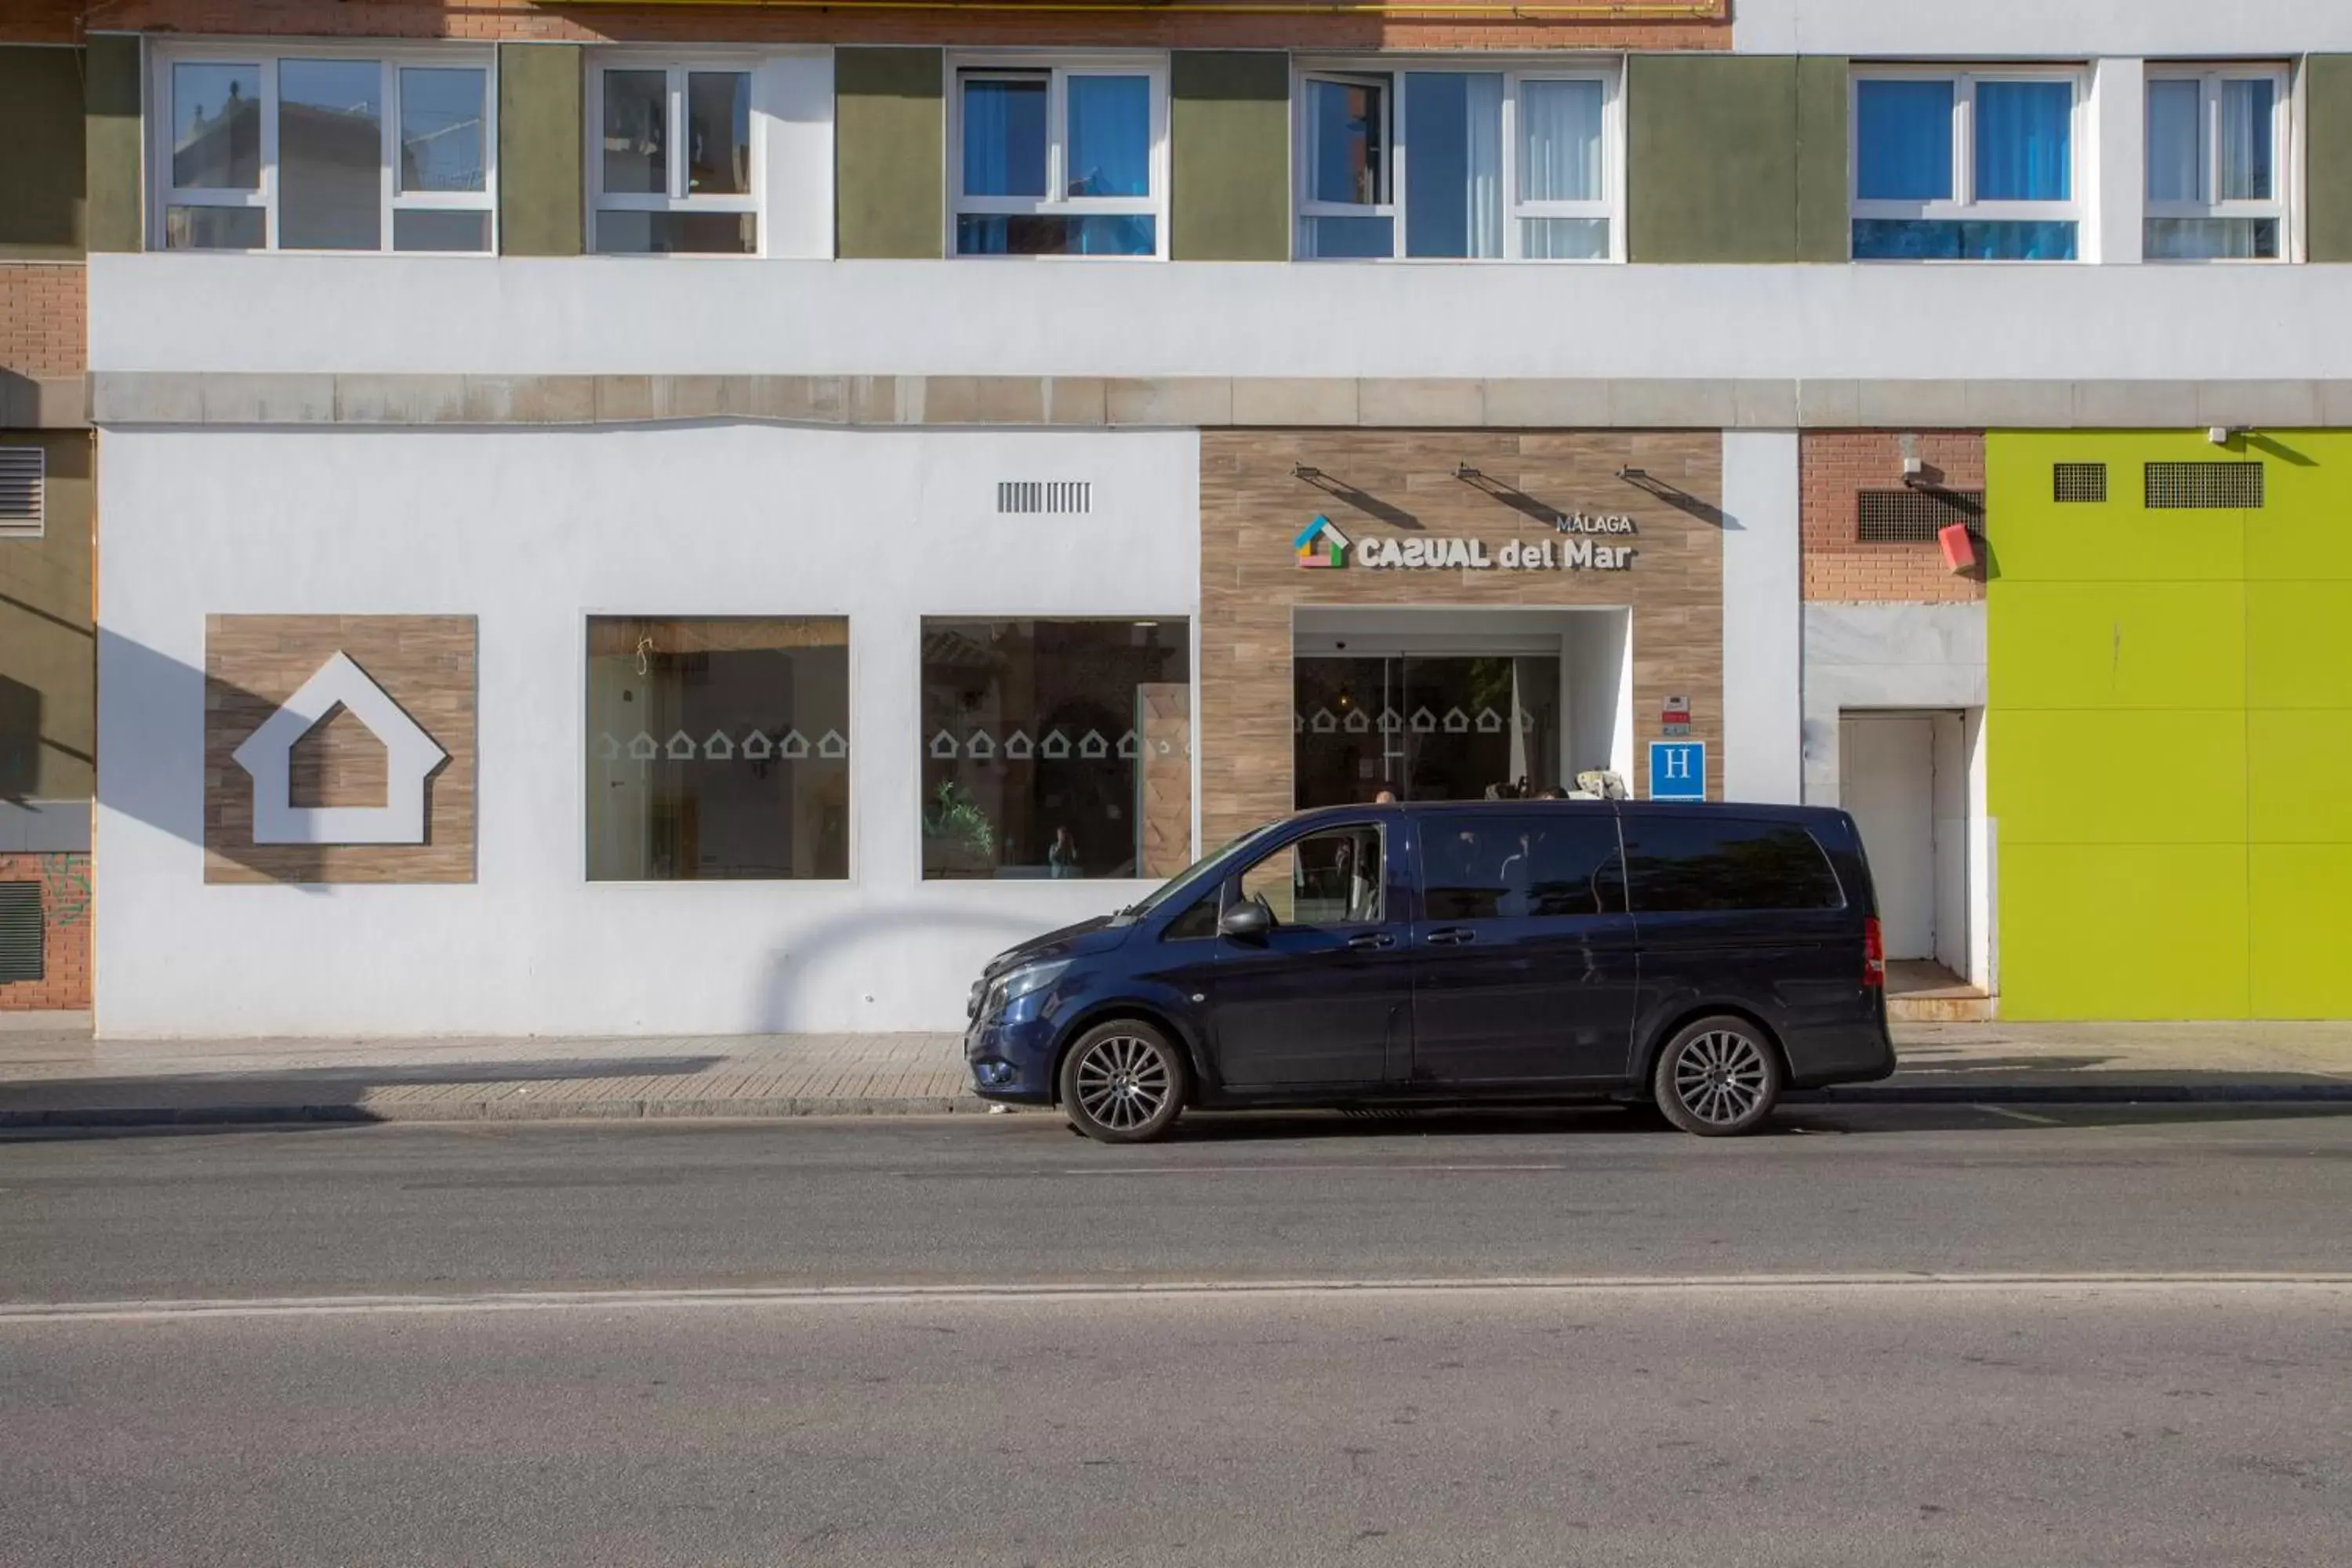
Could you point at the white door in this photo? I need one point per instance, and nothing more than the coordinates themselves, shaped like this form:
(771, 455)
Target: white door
(1887, 778)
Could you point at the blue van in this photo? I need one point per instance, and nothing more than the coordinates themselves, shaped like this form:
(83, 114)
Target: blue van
(1701, 957)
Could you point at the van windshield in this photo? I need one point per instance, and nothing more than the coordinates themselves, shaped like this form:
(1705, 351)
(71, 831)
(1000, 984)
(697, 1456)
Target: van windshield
(1159, 894)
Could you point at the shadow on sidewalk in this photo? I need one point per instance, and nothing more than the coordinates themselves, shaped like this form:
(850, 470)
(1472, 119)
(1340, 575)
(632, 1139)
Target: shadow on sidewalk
(301, 1097)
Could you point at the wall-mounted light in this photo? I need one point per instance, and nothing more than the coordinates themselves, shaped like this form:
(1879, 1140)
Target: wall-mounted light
(1301, 472)
(2222, 434)
(1634, 476)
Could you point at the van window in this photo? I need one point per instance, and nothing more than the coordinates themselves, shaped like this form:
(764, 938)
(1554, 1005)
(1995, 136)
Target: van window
(1329, 878)
(1519, 867)
(1682, 864)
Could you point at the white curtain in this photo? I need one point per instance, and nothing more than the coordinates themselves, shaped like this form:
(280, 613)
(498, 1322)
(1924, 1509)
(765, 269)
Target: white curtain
(2176, 142)
(1559, 141)
(1483, 139)
(2246, 140)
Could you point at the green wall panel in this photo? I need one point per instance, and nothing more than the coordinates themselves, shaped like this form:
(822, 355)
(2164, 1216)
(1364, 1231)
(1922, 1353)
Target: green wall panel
(2296, 893)
(1229, 135)
(890, 152)
(541, 185)
(110, 132)
(1735, 158)
(2327, 88)
(48, 714)
(42, 153)
(2171, 732)
(2114, 932)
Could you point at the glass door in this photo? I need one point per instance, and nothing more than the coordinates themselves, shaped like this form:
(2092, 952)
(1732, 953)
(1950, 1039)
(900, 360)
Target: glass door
(1425, 727)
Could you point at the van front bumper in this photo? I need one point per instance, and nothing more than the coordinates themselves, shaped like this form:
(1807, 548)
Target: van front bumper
(1011, 1060)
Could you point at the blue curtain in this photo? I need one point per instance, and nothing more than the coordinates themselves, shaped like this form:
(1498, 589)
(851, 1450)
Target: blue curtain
(1903, 140)
(1111, 136)
(2025, 141)
(1005, 137)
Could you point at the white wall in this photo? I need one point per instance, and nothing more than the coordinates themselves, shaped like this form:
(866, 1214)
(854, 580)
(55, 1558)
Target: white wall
(684, 315)
(532, 531)
(1998, 29)
(1953, 928)
(793, 95)
(1763, 633)
(1882, 655)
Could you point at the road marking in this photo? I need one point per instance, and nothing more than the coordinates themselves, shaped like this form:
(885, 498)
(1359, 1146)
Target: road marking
(27, 1312)
(2016, 1115)
(1382, 1168)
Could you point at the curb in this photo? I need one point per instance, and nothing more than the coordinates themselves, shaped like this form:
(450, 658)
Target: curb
(784, 1110)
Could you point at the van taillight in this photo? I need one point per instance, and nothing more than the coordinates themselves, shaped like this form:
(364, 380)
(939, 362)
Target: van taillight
(1874, 953)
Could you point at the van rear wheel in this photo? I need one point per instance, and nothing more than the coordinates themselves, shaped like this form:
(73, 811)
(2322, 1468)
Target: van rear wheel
(1123, 1082)
(1718, 1077)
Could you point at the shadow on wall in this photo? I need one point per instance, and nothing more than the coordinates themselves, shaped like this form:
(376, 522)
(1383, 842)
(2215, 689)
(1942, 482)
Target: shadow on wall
(164, 702)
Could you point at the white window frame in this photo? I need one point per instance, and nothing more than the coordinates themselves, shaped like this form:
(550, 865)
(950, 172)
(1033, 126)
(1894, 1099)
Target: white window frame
(266, 58)
(1390, 75)
(2279, 207)
(1962, 205)
(677, 65)
(1057, 70)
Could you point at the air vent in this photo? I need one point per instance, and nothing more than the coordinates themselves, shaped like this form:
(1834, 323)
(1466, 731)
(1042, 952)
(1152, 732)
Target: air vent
(2078, 481)
(20, 931)
(1912, 516)
(2220, 487)
(1015, 497)
(22, 470)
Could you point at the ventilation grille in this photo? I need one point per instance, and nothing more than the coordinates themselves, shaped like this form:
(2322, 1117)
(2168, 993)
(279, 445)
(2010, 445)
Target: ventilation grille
(22, 470)
(1910, 517)
(2236, 486)
(1016, 496)
(2078, 481)
(20, 931)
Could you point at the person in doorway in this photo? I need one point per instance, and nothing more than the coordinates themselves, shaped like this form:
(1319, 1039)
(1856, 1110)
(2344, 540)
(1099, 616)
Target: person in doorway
(1386, 797)
(1062, 856)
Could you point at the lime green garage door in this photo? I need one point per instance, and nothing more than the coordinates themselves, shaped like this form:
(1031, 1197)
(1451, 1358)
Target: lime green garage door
(2169, 739)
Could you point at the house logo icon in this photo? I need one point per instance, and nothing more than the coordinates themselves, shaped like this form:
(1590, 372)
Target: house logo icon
(410, 757)
(1321, 544)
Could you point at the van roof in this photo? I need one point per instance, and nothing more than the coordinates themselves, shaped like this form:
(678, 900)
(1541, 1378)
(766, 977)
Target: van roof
(1751, 811)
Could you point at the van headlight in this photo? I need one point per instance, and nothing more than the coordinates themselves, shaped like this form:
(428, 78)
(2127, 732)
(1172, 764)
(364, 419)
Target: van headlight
(1007, 989)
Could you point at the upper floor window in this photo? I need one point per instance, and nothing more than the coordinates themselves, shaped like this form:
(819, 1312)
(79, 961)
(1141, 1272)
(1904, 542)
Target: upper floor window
(1965, 166)
(2216, 149)
(1060, 160)
(674, 167)
(314, 151)
(1458, 163)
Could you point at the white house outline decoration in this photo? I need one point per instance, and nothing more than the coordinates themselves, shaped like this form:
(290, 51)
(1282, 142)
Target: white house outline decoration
(410, 756)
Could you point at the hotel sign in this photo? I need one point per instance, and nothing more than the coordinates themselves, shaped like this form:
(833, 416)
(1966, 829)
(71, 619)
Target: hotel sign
(1577, 551)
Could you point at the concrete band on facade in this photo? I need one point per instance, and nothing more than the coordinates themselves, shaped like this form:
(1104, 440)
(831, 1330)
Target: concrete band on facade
(231, 398)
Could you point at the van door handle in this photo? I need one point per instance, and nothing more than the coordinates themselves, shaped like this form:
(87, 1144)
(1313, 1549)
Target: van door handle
(1450, 936)
(1365, 940)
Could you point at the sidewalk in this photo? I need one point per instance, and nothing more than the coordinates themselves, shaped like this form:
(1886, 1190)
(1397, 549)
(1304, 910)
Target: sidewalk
(52, 1073)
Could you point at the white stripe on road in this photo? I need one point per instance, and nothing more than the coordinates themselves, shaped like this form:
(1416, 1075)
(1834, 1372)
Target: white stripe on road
(1277, 1290)
(2016, 1115)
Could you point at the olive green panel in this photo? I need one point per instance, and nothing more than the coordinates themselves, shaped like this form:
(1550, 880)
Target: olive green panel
(541, 185)
(2327, 89)
(2123, 931)
(110, 133)
(889, 135)
(49, 670)
(1824, 180)
(2296, 892)
(1230, 146)
(1738, 158)
(41, 153)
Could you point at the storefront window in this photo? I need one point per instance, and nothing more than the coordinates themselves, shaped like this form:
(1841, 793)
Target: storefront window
(718, 748)
(1425, 728)
(1057, 748)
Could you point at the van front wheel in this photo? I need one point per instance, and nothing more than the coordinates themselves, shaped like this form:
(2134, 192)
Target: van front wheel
(1123, 1082)
(1718, 1077)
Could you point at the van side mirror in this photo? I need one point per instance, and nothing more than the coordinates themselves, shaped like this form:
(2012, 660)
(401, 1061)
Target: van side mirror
(1248, 919)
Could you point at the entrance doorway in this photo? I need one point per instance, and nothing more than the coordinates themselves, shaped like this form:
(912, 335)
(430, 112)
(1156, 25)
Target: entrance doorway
(1426, 726)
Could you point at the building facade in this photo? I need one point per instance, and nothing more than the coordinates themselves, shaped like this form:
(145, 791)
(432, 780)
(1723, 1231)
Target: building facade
(676, 518)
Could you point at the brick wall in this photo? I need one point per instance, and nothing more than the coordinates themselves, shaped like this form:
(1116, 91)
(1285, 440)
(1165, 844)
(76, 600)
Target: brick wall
(1644, 24)
(1835, 465)
(42, 318)
(41, 21)
(65, 912)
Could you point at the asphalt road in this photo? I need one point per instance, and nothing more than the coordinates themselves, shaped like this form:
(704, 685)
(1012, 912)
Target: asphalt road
(981, 1340)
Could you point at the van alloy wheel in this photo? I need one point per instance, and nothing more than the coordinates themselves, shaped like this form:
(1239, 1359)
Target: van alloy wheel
(1122, 1083)
(1718, 1077)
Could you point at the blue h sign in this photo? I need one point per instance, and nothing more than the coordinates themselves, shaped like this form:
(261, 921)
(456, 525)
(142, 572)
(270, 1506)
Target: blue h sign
(1678, 770)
